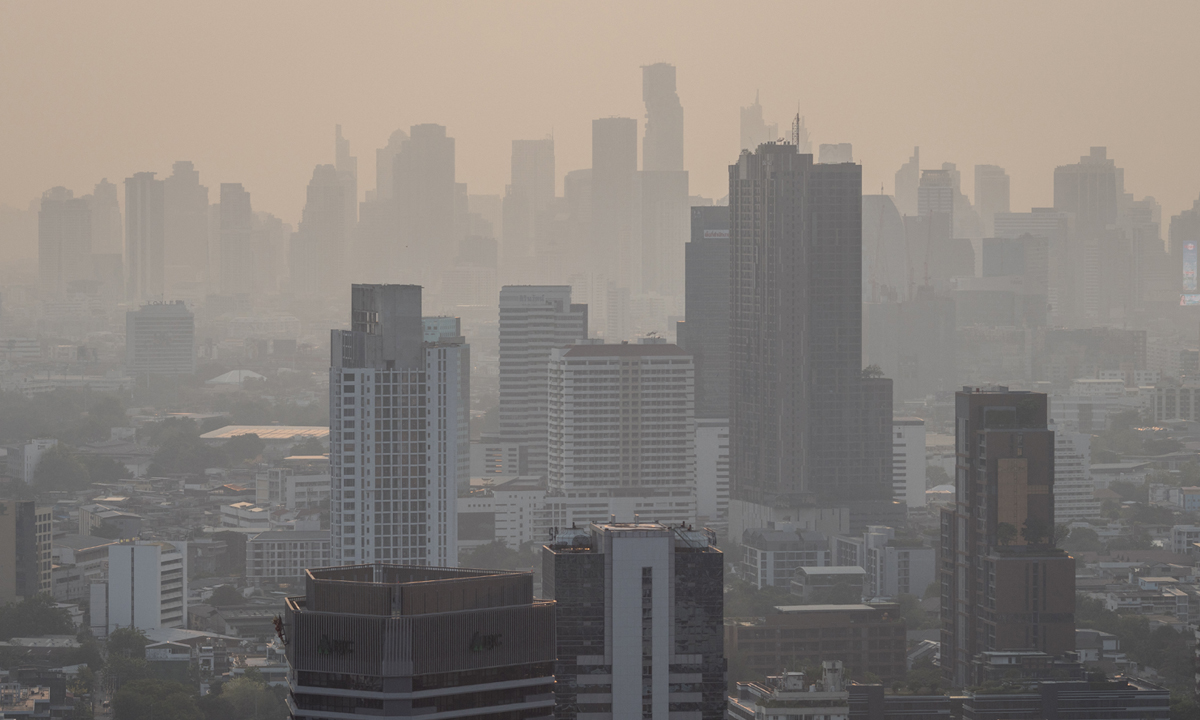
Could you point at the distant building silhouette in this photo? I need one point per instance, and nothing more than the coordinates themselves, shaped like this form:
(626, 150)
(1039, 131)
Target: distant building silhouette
(1185, 229)
(347, 170)
(908, 179)
(528, 207)
(185, 218)
(1091, 189)
(319, 245)
(662, 148)
(836, 153)
(144, 229)
(108, 230)
(614, 172)
(423, 192)
(160, 339)
(991, 195)
(64, 243)
(238, 262)
(754, 130)
(704, 333)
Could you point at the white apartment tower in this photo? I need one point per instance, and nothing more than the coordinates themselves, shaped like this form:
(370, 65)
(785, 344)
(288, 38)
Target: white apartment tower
(533, 319)
(393, 434)
(622, 427)
(147, 588)
(908, 461)
(1073, 485)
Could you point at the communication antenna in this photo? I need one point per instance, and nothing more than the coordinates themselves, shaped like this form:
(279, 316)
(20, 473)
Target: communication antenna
(796, 130)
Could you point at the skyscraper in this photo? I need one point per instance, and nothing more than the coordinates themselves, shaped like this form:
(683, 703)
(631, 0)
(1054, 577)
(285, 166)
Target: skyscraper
(26, 530)
(108, 231)
(621, 425)
(908, 178)
(662, 148)
(238, 261)
(144, 228)
(160, 339)
(704, 334)
(1005, 586)
(185, 223)
(1182, 240)
(533, 319)
(423, 191)
(319, 245)
(754, 130)
(64, 242)
(639, 609)
(347, 170)
(528, 207)
(1092, 190)
(614, 172)
(393, 434)
(991, 195)
(806, 426)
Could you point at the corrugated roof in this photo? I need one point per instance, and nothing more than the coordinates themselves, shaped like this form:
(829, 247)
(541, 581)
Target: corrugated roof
(623, 350)
(269, 432)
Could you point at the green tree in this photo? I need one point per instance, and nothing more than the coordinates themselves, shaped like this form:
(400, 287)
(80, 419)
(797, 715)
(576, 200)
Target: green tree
(180, 450)
(34, 617)
(309, 446)
(872, 371)
(128, 642)
(253, 699)
(1006, 533)
(102, 469)
(155, 700)
(742, 599)
(244, 448)
(59, 469)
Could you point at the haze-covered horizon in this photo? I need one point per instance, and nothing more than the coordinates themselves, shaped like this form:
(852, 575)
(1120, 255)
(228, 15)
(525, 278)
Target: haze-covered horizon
(250, 94)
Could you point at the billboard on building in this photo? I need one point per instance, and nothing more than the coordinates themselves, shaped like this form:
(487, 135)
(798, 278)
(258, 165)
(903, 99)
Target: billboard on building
(1189, 267)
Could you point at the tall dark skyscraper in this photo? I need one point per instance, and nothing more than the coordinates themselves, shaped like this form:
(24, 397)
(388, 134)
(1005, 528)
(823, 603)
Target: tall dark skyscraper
(806, 426)
(185, 234)
(704, 334)
(614, 172)
(1092, 189)
(238, 266)
(144, 230)
(64, 242)
(1005, 586)
(319, 246)
(423, 190)
(662, 148)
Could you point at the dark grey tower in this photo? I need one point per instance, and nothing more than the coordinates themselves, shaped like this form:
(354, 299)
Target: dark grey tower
(662, 148)
(64, 242)
(705, 332)
(185, 234)
(238, 274)
(144, 228)
(806, 426)
(614, 170)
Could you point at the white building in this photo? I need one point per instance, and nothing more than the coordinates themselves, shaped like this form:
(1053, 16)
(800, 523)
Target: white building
(491, 458)
(712, 473)
(1074, 491)
(908, 461)
(24, 461)
(283, 487)
(283, 556)
(892, 567)
(147, 588)
(160, 338)
(621, 425)
(393, 410)
(245, 515)
(533, 319)
(513, 505)
(1098, 389)
(1183, 537)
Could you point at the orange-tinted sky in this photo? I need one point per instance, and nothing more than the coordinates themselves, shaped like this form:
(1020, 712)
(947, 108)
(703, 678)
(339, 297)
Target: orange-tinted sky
(250, 91)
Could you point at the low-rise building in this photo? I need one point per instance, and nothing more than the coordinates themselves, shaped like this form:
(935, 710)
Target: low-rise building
(771, 557)
(245, 515)
(829, 584)
(791, 696)
(283, 556)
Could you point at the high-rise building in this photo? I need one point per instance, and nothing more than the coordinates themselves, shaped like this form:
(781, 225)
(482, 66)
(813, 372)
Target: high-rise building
(712, 473)
(1074, 489)
(704, 333)
(25, 540)
(908, 461)
(147, 588)
(1090, 189)
(664, 206)
(108, 230)
(64, 243)
(1183, 238)
(528, 207)
(423, 193)
(160, 339)
(319, 246)
(347, 170)
(806, 425)
(935, 194)
(385, 165)
(1005, 586)
(400, 641)
(754, 130)
(836, 153)
(991, 195)
(238, 261)
(639, 608)
(446, 332)
(393, 427)
(614, 173)
(1065, 262)
(533, 320)
(621, 424)
(185, 227)
(662, 148)
(144, 229)
(908, 179)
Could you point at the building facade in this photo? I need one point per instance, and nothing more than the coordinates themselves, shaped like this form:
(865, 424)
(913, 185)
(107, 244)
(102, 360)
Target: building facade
(639, 622)
(282, 557)
(704, 334)
(147, 588)
(1005, 586)
(25, 544)
(160, 339)
(533, 319)
(806, 425)
(401, 641)
(393, 429)
(908, 461)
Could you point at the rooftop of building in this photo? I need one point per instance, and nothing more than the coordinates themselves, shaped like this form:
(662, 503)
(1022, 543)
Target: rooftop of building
(269, 432)
(583, 540)
(624, 350)
(908, 420)
(293, 535)
(832, 570)
(849, 607)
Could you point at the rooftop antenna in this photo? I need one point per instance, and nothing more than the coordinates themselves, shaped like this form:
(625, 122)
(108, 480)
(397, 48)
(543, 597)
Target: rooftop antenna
(796, 130)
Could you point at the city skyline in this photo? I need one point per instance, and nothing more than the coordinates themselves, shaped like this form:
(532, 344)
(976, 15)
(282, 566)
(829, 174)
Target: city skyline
(903, 101)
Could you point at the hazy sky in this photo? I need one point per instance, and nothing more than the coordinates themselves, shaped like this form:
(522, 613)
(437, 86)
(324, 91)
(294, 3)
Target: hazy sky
(250, 91)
